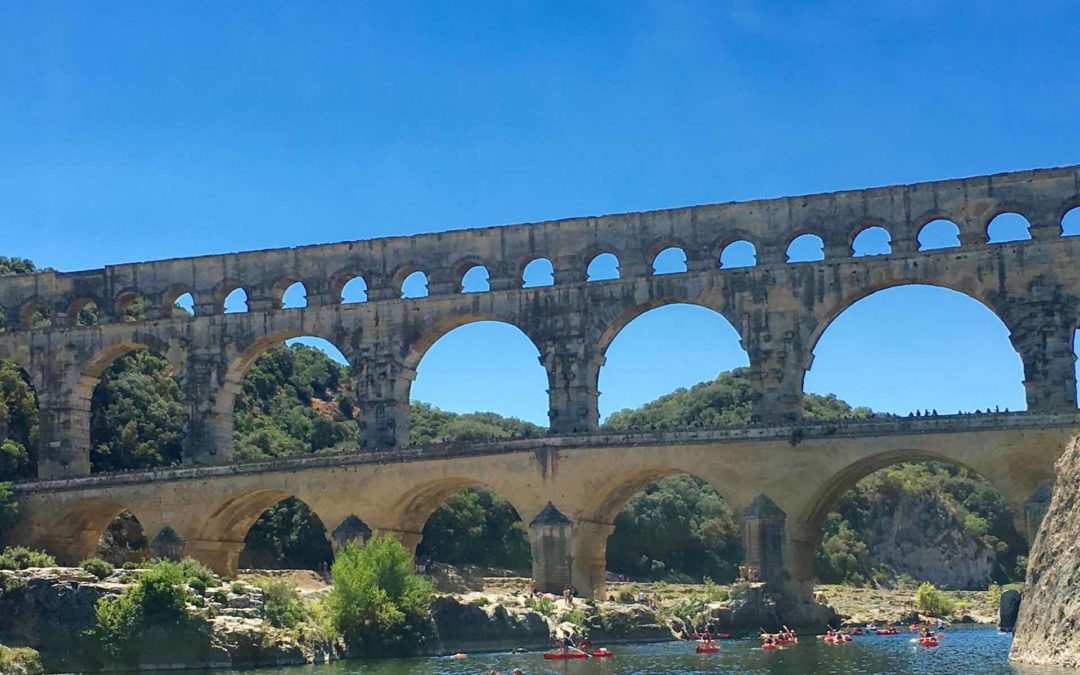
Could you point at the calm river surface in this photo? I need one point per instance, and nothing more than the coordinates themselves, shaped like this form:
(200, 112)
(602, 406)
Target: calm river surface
(982, 650)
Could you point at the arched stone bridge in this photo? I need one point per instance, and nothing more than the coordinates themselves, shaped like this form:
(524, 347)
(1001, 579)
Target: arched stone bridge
(779, 310)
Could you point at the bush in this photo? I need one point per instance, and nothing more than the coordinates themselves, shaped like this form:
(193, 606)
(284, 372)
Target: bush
(542, 606)
(481, 601)
(12, 586)
(625, 596)
(198, 585)
(238, 588)
(282, 606)
(20, 558)
(9, 508)
(993, 594)
(158, 597)
(929, 600)
(376, 602)
(130, 565)
(20, 660)
(98, 567)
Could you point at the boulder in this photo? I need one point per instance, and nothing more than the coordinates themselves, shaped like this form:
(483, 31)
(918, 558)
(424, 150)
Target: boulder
(1048, 624)
(1008, 610)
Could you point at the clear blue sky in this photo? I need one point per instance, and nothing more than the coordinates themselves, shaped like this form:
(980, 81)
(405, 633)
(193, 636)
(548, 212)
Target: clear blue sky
(133, 131)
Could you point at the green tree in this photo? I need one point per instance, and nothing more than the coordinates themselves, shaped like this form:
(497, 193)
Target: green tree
(136, 415)
(18, 424)
(9, 510)
(376, 602)
(476, 526)
(288, 535)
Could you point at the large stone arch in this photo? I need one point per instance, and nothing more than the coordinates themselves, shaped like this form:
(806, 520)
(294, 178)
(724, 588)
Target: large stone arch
(1016, 474)
(73, 533)
(594, 518)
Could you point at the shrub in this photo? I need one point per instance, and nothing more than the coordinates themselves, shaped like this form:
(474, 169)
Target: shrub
(130, 565)
(20, 558)
(481, 601)
(543, 606)
(98, 567)
(238, 588)
(158, 597)
(12, 586)
(625, 596)
(198, 585)
(575, 616)
(9, 509)
(20, 660)
(282, 605)
(376, 602)
(929, 600)
(993, 594)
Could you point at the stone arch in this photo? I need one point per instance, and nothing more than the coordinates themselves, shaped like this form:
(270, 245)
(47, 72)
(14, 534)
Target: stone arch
(1007, 225)
(413, 509)
(871, 240)
(76, 530)
(428, 336)
(415, 284)
(806, 530)
(290, 293)
(739, 253)
(123, 540)
(1070, 222)
(84, 311)
(348, 286)
(307, 545)
(693, 313)
(221, 534)
(171, 302)
(35, 313)
(473, 279)
(596, 519)
(603, 265)
(537, 272)
(668, 258)
(828, 318)
(938, 233)
(96, 368)
(829, 314)
(352, 529)
(236, 296)
(804, 246)
(130, 305)
(167, 544)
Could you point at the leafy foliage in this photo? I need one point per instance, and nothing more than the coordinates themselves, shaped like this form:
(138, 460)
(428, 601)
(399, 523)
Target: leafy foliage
(158, 597)
(98, 567)
(929, 600)
(294, 400)
(9, 509)
(15, 265)
(282, 605)
(376, 602)
(476, 526)
(18, 424)
(288, 535)
(676, 526)
(726, 400)
(136, 415)
(21, 558)
(973, 505)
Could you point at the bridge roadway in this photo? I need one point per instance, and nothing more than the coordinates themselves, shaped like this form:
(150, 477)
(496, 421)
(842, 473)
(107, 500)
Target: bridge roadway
(568, 488)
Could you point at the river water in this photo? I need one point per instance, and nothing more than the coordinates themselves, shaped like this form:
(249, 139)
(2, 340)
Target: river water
(978, 650)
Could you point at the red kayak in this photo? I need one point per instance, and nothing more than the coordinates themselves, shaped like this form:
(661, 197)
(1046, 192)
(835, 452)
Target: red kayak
(769, 647)
(602, 653)
(929, 642)
(707, 649)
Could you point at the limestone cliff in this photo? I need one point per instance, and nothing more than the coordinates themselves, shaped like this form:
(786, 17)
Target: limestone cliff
(1048, 629)
(924, 537)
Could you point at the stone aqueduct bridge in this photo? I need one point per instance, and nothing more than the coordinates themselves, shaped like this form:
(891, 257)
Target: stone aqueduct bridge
(569, 485)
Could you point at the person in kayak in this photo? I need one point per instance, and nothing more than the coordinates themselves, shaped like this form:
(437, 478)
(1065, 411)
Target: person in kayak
(586, 643)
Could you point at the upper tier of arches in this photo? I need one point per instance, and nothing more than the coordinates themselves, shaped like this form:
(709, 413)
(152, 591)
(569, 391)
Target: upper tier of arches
(1040, 204)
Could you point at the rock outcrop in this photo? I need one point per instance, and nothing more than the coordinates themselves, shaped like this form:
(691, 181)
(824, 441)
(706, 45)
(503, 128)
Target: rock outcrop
(1008, 610)
(943, 552)
(1048, 628)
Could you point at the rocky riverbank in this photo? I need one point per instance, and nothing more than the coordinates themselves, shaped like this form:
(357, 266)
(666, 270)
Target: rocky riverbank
(51, 610)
